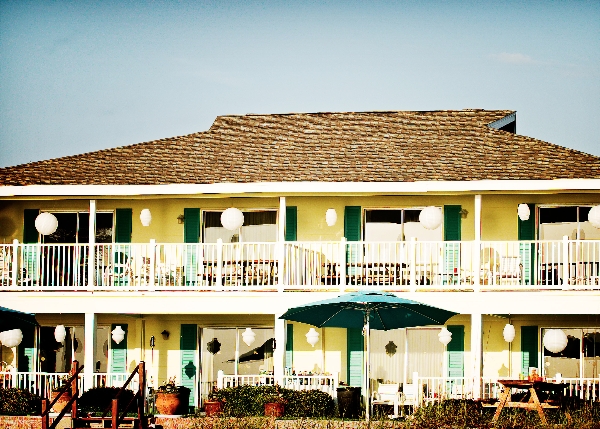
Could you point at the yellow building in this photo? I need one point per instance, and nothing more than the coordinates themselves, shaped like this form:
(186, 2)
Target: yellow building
(448, 208)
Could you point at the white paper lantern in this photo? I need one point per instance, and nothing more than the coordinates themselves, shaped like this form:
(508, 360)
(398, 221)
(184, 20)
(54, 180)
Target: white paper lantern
(118, 334)
(508, 333)
(145, 217)
(46, 223)
(594, 216)
(248, 336)
(555, 340)
(232, 219)
(60, 333)
(431, 217)
(445, 336)
(11, 338)
(523, 211)
(312, 337)
(330, 217)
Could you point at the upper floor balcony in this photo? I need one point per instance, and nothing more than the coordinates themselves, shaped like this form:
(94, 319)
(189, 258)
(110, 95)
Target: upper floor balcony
(276, 267)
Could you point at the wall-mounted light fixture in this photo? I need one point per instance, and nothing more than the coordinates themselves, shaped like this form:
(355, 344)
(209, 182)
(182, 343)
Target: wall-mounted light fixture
(180, 219)
(165, 334)
(463, 213)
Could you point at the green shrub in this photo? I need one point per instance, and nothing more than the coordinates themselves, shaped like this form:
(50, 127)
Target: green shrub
(449, 413)
(19, 402)
(246, 401)
(97, 400)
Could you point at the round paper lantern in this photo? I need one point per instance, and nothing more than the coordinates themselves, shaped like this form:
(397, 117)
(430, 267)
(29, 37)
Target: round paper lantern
(118, 334)
(60, 333)
(508, 333)
(232, 219)
(312, 337)
(445, 336)
(145, 217)
(523, 211)
(11, 338)
(555, 340)
(331, 217)
(46, 223)
(431, 217)
(248, 336)
(594, 216)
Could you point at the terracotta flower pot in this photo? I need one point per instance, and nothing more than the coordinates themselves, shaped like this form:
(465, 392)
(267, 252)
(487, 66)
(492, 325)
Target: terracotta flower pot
(274, 409)
(172, 403)
(213, 408)
(62, 401)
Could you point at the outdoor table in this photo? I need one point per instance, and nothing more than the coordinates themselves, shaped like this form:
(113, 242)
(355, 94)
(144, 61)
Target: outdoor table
(534, 387)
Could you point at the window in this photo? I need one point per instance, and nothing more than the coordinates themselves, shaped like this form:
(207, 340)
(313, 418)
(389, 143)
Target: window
(397, 225)
(572, 221)
(580, 358)
(259, 226)
(74, 228)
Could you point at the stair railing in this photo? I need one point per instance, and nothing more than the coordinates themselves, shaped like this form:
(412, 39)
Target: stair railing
(72, 404)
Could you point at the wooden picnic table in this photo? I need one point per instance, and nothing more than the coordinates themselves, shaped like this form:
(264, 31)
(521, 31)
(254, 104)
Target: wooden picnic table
(531, 402)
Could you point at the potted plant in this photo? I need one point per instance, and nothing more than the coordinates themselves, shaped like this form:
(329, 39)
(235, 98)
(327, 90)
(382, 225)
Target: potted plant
(172, 399)
(214, 405)
(274, 404)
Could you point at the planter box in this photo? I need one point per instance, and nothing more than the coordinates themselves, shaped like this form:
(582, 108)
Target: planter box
(173, 404)
(213, 408)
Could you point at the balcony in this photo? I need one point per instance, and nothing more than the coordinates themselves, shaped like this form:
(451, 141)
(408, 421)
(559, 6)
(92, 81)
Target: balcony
(303, 266)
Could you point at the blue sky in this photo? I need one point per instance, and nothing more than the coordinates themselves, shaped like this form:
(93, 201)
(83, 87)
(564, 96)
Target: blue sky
(79, 76)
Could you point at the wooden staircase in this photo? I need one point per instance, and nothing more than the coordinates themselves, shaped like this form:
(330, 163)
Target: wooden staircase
(111, 417)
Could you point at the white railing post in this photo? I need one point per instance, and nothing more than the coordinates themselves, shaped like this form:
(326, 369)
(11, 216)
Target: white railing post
(220, 379)
(413, 264)
(91, 271)
(15, 260)
(342, 264)
(219, 267)
(565, 260)
(278, 270)
(152, 263)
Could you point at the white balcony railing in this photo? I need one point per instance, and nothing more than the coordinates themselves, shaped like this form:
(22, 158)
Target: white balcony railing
(334, 266)
(324, 383)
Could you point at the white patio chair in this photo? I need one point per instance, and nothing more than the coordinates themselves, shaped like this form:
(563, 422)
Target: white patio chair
(387, 394)
(510, 269)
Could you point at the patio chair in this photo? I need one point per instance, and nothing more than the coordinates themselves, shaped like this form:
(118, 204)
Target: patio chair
(388, 395)
(510, 269)
(410, 396)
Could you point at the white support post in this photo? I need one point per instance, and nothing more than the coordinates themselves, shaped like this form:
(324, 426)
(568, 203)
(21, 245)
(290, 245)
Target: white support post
(92, 245)
(476, 353)
(477, 246)
(280, 252)
(279, 350)
(88, 350)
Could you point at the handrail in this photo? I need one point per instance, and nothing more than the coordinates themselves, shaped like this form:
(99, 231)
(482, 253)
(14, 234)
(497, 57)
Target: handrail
(72, 384)
(139, 397)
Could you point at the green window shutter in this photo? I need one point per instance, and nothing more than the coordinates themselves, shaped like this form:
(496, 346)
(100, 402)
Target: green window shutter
(188, 345)
(352, 223)
(30, 234)
(26, 350)
(452, 226)
(191, 234)
(526, 231)
(291, 223)
(191, 225)
(118, 352)
(355, 347)
(123, 224)
(456, 351)
(529, 348)
(452, 223)
(289, 346)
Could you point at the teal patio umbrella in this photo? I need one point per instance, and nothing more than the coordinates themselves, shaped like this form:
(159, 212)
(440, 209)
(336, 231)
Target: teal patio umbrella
(368, 310)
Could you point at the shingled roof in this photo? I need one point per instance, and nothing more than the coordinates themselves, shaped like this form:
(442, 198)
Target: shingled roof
(452, 145)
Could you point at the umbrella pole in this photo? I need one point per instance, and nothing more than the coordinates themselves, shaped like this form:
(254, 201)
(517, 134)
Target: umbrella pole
(367, 376)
